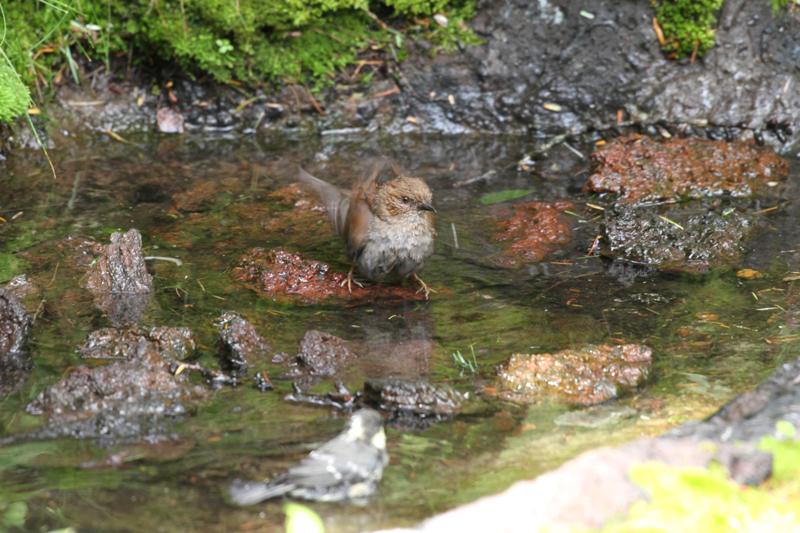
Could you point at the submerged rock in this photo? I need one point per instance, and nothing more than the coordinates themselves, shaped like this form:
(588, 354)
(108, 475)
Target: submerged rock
(129, 399)
(583, 376)
(241, 343)
(596, 416)
(678, 241)
(323, 354)
(15, 325)
(416, 398)
(172, 344)
(282, 275)
(638, 168)
(536, 230)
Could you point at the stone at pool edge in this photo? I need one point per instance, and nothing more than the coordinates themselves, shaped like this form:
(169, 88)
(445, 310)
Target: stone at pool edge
(583, 376)
(283, 275)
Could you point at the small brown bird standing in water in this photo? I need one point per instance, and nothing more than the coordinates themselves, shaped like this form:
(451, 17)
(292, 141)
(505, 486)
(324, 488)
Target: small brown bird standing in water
(388, 225)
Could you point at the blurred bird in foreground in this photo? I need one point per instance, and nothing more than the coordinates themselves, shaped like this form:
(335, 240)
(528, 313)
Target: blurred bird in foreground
(348, 467)
(388, 224)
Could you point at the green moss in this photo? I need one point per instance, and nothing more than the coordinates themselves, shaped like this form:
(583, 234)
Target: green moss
(10, 266)
(248, 41)
(688, 25)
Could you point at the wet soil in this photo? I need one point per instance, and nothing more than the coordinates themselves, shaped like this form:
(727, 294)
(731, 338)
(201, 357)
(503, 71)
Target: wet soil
(712, 335)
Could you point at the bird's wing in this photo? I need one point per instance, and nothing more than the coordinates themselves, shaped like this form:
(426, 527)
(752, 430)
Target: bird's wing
(250, 492)
(335, 200)
(359, 213)
(337, 462)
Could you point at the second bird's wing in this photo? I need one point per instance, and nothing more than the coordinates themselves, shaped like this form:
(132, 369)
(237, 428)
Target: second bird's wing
(335, 200)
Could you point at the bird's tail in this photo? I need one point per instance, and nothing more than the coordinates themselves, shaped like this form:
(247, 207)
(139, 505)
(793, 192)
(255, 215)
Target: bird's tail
(332, 197)
(250, 492)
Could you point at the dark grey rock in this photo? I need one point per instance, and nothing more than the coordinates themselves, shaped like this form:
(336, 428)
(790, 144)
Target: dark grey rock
(241, 343)
(753, 415)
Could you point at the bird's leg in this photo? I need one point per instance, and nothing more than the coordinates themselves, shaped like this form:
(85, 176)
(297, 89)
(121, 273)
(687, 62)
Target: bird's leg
(423, 287)
(349, 281)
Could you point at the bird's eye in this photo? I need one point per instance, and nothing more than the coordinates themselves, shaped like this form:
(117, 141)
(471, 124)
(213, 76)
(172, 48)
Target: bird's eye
(406, 199)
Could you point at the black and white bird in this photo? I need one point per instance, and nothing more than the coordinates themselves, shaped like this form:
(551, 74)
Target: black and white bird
(348, 467)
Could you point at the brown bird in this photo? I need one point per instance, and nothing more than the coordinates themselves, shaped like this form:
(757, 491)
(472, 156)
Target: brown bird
(387, 224)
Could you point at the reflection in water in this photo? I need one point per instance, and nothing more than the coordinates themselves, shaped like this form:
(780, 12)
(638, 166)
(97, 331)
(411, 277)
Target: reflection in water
(396, 341)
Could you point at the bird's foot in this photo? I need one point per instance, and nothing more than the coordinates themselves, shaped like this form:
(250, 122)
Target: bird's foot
(423, 287)
(350, 280)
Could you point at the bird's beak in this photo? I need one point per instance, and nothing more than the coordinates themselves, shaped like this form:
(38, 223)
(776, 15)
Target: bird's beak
(426, 207)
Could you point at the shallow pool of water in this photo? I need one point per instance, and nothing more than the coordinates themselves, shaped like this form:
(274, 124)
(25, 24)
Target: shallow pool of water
(206, 201)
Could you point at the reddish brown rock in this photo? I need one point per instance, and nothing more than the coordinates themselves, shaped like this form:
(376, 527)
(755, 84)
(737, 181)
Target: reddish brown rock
(283, 275)
(535, 230)
(639, 168)
(583, 376)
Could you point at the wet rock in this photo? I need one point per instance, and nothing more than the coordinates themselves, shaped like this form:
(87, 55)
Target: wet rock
(584, 376)
(638, 168)
(754, 414)
(118, 278)
(121, 267)
(172, 344)
(130, 399)
(680, 240)
(241, 343)
(323, 354)
(535, 230)
(15, 325)
(594, 68)
(20, 286)
(416, 398)
(282, 275)
(747, 465)
(596, 416)
(169, 121)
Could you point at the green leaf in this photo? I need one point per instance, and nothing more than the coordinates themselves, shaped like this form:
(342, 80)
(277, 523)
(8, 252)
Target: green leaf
(785, 429)
(504, 196)
(14, 515)
(302, 519)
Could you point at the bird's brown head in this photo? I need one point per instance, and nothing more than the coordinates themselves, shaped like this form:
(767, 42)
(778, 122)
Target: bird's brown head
(403, 197)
